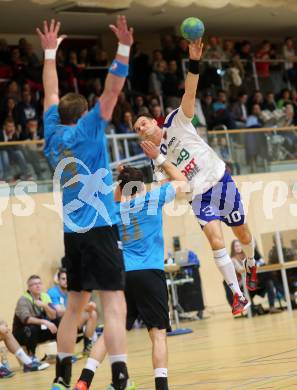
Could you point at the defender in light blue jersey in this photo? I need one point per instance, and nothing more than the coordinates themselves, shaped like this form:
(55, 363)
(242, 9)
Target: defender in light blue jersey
(141, 232)
(75, 145)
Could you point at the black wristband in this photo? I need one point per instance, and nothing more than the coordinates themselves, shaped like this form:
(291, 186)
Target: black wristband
(194, 66)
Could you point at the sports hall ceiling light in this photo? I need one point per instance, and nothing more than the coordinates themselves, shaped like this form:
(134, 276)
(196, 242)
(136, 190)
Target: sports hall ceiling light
(120, 4)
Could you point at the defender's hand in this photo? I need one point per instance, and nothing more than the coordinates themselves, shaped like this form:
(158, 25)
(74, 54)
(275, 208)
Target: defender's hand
(150, 149)
(122, 31)
(196, 49)
(49, 37)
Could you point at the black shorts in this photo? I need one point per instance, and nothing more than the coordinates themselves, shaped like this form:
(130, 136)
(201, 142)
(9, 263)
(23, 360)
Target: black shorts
(94, 260)
(147, 297)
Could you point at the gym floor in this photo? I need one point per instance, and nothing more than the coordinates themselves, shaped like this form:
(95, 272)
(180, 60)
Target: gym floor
(222, 354)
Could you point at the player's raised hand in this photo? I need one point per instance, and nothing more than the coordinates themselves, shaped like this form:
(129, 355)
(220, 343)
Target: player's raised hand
(49, 37)
(196, 49)
(122, 31)
(150, 149)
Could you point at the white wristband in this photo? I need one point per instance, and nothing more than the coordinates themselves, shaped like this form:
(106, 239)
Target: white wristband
(159, 160)
(50, 54)
(123, 50)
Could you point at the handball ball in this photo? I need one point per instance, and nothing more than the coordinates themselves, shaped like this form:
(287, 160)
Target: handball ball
(192, 28)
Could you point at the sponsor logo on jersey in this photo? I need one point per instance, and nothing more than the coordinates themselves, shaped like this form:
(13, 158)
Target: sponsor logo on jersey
(171, 141)
(163, 149)
(191, 169)
(183, 156)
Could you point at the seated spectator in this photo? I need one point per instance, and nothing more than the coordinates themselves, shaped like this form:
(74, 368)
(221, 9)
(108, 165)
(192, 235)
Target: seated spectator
(222, 115)
(14, 347)
(26, 108)
(88, 322)
(156, 112)
(139, 104)
(4, 52)
(125, 125)
(157, 57)
(83, 58)
(257, 98)
(269, 103)
(182, 50)
(35, 319)
(284, 99)
(207, 108)
(265, 280)
(13, 91)
(14, 154)
(122, 106)
(228, 50)
(239, 110)
(10, 111)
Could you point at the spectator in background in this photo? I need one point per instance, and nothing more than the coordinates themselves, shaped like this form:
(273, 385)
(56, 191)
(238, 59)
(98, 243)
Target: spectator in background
(289, 54)
(169, 49)
(35, 317)
(125, 125)
(182, 50)
(214, 51)
(157, 57)
(83, 57)
(156, 112)
(172, 85)
(10, 111)
(157, 78)
(239, 110)
(59, 298)
(263, 67)
(139, 105)
(122, 106)
(14, 347)
(222, 115)
(13, 91)
(276, 70)
(245, 53)
(207, 108)
(139, 67)
(26, 109)
(30, 57)
(228, 50)
(256, 98)
(95, 92)
(269, 102)
(4, 52)
(284, 99)
(13, 154)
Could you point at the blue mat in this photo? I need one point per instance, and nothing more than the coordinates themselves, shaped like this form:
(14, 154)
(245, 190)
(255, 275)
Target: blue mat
(179, 331)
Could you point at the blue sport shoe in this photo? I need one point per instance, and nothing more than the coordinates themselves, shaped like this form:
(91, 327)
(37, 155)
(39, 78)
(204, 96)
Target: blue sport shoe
(5, 372)
(36, 365)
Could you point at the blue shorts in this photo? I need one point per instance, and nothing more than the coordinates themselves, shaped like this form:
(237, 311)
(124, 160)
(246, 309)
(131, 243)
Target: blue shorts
(222, 202)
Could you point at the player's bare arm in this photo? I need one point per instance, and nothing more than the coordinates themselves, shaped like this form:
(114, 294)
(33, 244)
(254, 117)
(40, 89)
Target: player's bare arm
(50, 42)
(115, 79)
(191, 82)
(178, 180)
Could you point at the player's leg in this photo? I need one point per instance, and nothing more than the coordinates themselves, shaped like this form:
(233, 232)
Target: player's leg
(88, 322)
(67, 333)
(214, 234)
(114, 309)
(242, 232)
(96, 357)
(160, 357)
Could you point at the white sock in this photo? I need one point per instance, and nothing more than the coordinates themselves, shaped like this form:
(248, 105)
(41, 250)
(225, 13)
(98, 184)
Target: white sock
(117, 358)
(23, 357)
(161, 372)
(63, 355)
(92, 365)
(226, 267)
(249, 250)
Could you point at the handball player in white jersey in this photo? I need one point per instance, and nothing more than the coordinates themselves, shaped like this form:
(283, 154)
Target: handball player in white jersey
(214, 195)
